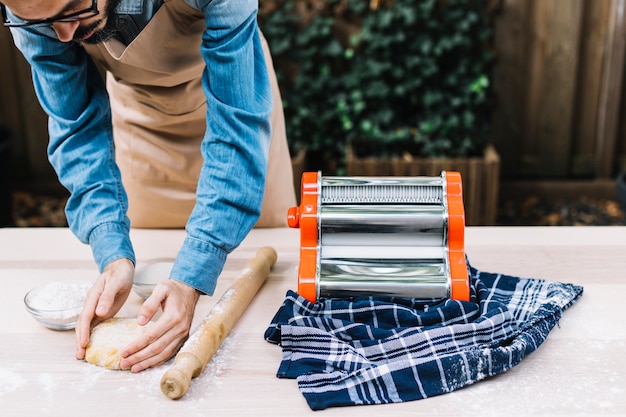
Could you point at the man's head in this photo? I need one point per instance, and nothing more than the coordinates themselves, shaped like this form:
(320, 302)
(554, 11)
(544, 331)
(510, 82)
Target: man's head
(79, 20)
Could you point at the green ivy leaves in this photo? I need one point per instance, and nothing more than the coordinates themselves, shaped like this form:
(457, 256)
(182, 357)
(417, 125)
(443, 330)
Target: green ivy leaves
(412, 76)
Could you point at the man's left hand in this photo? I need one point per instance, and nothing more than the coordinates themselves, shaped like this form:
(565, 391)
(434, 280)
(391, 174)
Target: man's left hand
(162, 340)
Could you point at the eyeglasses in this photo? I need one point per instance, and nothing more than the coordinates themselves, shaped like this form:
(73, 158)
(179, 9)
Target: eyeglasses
(72, 17)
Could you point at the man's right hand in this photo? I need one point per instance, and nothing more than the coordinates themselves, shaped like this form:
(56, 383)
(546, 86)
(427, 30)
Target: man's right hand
(104, 299)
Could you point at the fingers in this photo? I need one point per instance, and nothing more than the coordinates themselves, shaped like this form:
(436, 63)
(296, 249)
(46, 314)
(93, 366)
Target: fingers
(154, 348)
(151, 306)
(163, 339)
(103, 300)
(83, 325)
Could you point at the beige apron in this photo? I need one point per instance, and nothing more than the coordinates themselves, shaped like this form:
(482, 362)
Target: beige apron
(159, 121)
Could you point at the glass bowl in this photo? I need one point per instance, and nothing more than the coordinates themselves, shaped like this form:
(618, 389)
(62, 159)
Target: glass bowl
(149, 276)
(57, 305)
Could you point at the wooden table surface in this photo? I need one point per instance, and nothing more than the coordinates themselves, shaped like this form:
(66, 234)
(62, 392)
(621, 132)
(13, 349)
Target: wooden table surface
(580, 369)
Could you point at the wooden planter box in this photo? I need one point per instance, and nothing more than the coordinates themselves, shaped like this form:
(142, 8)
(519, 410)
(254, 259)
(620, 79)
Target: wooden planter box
(481, 178)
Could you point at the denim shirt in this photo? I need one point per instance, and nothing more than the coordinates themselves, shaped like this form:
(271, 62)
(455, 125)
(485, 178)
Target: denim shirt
(235, 146)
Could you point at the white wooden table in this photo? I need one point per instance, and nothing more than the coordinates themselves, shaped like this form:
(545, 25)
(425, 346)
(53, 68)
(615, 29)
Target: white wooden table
(580, 369)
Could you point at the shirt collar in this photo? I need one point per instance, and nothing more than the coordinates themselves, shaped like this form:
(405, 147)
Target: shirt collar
(130, 7)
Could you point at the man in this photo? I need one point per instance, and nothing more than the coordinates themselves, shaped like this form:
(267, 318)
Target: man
(183, 123)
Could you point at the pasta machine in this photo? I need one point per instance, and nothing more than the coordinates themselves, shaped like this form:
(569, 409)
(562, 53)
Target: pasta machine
(382, 236)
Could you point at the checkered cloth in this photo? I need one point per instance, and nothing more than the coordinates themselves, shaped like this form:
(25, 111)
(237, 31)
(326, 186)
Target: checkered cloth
(374, 350)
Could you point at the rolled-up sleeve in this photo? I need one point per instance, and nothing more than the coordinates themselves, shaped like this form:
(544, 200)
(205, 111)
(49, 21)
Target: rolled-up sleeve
(236, 143)
(80, 148)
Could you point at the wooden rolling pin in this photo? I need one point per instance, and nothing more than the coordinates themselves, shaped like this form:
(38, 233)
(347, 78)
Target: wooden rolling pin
(204, 342)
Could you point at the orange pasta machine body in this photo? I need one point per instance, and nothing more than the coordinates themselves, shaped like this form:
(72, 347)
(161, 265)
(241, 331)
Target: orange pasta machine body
(381, 236)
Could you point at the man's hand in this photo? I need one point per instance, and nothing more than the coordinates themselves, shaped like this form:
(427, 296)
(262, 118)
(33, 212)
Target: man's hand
(162, 340)
(104, 300)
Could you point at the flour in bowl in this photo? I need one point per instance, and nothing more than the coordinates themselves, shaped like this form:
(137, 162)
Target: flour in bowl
(59, 296)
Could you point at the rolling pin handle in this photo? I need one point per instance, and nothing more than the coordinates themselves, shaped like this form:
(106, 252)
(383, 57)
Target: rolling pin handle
(176, 380)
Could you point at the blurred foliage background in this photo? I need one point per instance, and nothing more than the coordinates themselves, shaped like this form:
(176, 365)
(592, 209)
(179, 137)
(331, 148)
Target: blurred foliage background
(384, 77)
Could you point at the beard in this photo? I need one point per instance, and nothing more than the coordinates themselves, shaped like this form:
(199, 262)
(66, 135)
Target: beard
(107, 32)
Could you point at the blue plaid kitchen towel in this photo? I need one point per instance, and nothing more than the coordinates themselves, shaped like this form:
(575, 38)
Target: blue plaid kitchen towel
(372, 350)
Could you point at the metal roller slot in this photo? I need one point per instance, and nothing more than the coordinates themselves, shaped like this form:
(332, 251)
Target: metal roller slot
(382, 252)
(381, 239)
(423, 280)
(353, 225)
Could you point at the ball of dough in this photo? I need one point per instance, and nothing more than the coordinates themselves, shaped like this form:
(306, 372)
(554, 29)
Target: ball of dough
(108, 338)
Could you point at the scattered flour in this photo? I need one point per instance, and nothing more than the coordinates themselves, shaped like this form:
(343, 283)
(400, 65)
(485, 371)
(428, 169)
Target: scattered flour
(144, 386)
(10, 381)
(90, 376)
(48, 382)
